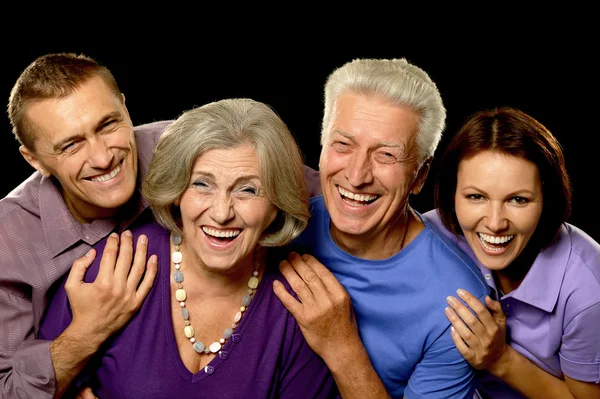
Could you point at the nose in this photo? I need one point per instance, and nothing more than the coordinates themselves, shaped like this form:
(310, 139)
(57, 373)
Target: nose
(495, 219)
(358, 171)
(100, 156)
(222, 208)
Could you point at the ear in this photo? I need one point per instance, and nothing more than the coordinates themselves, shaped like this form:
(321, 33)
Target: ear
(421, 177)
(33, 160)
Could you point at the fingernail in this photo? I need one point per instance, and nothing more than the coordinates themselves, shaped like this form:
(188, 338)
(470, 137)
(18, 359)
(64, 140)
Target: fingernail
(460, 292)
(115, 235)
(450, 300)
(143, 239)
(127, 233)
(153, 259)
(448, 312)
(452, 331)
(89, 253)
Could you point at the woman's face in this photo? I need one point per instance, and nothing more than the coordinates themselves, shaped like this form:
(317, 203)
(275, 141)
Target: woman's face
(498, 204)
(225, 210)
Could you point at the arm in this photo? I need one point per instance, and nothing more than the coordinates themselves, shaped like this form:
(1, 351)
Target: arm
(481, 339)
(325, 317)
(102, 307)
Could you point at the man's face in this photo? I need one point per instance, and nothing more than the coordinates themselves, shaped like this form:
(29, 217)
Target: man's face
(86, 141)
(369, 165)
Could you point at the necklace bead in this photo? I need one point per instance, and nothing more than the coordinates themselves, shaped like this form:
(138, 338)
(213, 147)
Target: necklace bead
(181, 296)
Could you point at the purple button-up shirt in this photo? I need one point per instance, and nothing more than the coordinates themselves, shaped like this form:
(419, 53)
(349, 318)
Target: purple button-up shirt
(553, 317)
(39, 241)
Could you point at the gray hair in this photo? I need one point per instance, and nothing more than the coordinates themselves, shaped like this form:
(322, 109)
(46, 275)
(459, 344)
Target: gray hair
(397, 80)
(228, 124)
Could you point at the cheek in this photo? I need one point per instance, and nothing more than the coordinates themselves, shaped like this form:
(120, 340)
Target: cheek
(466, 215)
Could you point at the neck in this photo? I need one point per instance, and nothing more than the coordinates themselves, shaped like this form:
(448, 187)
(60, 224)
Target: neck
(380, 243)
(204, 281)
(510, 278)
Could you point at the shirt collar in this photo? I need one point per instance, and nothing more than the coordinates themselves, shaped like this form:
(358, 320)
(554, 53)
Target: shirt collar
(62, 230)
(541, 285)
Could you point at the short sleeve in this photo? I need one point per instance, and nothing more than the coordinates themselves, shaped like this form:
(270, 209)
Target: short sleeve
(442, 373)
(580, 348)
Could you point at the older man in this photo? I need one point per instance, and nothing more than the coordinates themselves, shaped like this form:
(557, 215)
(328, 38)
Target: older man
(383, 120)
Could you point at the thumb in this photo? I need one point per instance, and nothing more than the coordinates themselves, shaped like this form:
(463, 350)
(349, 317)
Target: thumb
(79, 268)
(495, 308)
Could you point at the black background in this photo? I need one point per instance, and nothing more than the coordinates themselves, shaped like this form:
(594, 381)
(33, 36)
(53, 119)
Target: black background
(547, 69)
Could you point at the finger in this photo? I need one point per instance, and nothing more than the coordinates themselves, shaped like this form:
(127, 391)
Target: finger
(496, 310)
(297, 284)
(465, 333)
(482, 312)
(87, 393)
(462, 347)
(125, 258)
(326, 278)
(307, 272)
(80, 266)
(290, 303)
(148, 281)
(466, 315)
(139, 262)
(109, 258)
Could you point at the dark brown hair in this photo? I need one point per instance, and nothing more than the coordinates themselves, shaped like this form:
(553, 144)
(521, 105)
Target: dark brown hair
(510, 131)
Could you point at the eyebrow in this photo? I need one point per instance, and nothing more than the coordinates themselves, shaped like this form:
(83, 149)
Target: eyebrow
(113, 115)
(515, 193)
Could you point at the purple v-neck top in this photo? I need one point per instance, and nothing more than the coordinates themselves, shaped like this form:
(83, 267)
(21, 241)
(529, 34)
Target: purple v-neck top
(266, 357)
(553, 317)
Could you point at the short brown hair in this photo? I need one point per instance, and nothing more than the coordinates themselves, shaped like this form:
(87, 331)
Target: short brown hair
(51, 76)
(510, 131)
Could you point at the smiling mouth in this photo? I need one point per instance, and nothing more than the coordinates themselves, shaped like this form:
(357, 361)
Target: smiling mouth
(107, 176)
(225, 235)
(495, 243)
(355, 199)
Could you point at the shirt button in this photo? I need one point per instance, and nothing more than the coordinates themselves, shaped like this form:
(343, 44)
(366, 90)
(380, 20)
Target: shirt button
(223, 355)
(488, 276)
(209, 370)
(236, 338)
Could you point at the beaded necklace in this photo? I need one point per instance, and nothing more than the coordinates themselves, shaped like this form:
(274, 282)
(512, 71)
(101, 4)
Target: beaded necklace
(181, 296)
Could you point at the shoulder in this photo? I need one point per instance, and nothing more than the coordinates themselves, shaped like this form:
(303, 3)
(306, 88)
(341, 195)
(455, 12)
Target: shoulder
(449, 263)
(581, 285)
(157, 127)
(23, 197)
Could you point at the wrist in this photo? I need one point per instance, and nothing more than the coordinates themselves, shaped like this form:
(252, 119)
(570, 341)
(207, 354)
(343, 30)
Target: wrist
(503, 365)
(78, 340)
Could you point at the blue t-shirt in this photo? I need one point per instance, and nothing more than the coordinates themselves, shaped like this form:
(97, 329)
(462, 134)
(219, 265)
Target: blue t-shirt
(399, 304)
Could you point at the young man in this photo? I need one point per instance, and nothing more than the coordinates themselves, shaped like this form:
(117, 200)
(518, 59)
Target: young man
(70, 118)
(383, 120)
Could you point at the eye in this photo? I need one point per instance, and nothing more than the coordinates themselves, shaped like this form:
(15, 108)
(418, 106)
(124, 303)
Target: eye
(519, 200)
(248, 190)
(474, 197)
(385, 157)
(70, 147)
(341, 146)
(201, 184)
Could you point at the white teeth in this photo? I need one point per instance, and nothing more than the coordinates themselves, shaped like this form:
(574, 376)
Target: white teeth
(495, 239)
(107, 176)
(356, 197)
(220, 233)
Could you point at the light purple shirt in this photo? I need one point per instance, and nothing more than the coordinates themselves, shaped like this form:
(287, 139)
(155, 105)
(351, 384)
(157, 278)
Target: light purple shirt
(553, 317)
(39, 241)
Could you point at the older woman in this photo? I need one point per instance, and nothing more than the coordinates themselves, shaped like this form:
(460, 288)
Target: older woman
(225, 186)
(504, 192)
